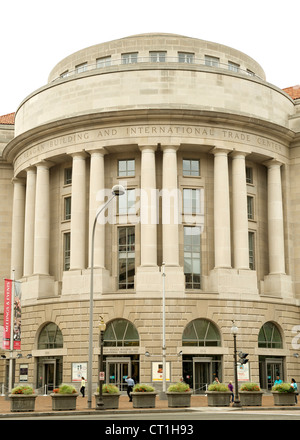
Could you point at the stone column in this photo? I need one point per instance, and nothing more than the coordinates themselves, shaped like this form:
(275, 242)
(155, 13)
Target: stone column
(97, 199)
(17, 247)
(148, 207)
(29, 221)
(275, 219)
(78, 212)
(221, 210)
(170, 214)
(42, 220)
(240, 215)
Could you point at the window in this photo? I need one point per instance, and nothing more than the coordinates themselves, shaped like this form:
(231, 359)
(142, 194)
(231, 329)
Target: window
(50, 337)
(126, 202)
(269, 336)
(184, 57)
(103, 62)
(191, 201)
(233, 66)
(211, 61)
(121, 333)
(191, 167)
(128, 58)
(64, 74)
(192, 258)
(126, 254)
(158, 57)
(67, 176)
(126, 168)
(67, 250)
(249, 175)
(251, 240)
(201, 333)
(67, 208)
(250, 207)
(81, 68)
(250, 73)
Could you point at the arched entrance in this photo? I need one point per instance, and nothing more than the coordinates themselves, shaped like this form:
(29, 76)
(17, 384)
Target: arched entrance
(122, 334)
(199, 370)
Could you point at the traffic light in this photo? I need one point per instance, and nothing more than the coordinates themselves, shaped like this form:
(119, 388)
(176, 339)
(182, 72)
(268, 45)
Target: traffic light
(243, 357)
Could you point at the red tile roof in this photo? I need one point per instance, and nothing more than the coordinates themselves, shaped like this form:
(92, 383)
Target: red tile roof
(8, 119)
(294, 91)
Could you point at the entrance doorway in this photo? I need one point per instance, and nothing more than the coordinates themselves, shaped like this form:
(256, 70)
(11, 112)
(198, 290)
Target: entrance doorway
(269, 369)
(49, 371)
(117, 370)
(49, 376)
(202, 368)
(198, 372)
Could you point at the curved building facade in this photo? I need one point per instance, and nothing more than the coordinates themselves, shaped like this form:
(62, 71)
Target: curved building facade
(208, 152)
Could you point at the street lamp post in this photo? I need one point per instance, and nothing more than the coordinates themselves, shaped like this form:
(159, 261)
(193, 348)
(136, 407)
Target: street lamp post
(117, 191)
(100, 403)
(234, 331)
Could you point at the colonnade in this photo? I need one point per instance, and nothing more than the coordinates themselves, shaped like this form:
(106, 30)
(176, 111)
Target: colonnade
(31, 213)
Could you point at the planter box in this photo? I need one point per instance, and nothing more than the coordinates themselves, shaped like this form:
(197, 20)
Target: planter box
(251, 398)
(22, 402)
(110, 401)
(63, 402)
(144, 400)
(284, 399)
(176, 400)
(218, 398)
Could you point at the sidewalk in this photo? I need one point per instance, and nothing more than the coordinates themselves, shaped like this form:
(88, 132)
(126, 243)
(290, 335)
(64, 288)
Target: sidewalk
(43, 405)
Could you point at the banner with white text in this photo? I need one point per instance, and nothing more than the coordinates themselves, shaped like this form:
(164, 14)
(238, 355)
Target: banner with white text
(9, 285)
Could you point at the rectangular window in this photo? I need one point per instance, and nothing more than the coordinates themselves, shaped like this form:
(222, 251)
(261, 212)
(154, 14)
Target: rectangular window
(67, 208)
(251, 239)
(126, 257)
(249, 175)
(192, 260)
(191, 201)
(157, 57)
(126, 168)
(250, 207)
(184, 57)
(129, 58)
(211, 61)
(81, 68)
(191, 167)
(126, 202)
(103, 62)
(67, 176)
(67, 250)
(233, 66)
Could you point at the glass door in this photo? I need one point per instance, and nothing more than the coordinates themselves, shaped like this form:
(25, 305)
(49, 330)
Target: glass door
(202, 374)
(49, 376)
(117, 371)
(273, 369)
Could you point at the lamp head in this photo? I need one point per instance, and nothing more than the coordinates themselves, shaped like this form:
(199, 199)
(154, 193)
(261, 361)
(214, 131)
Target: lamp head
(118, 190)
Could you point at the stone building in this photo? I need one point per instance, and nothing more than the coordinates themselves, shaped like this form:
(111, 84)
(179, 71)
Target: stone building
(209, 154)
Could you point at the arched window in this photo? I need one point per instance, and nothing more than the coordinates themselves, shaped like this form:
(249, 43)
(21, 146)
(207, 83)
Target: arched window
(50, 337)
(269, 336)
(121, 333)
(201, 333)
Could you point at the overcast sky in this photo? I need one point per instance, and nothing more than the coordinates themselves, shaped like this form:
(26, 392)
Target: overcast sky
(36, 34)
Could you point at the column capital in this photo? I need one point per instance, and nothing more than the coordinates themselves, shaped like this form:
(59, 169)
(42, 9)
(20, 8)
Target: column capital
(147, 147)
(220, 151)
(169, 147)
(19, 180)
(273, 163)
(44, 164)
(79, 154)
(237, 153)
(98, 151)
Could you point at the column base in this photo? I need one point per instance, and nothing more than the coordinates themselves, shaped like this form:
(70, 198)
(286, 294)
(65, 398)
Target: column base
(78, 282)
(236, 281)
(39, 286)
(278, 285)
(149, 279)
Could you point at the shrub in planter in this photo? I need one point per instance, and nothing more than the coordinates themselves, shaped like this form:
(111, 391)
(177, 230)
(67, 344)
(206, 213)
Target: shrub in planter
(22, 398)
(284, 394)
(110, 396)
(179, 395)
(250, 394)
(64, 398)
(218, 394)
(143, 396)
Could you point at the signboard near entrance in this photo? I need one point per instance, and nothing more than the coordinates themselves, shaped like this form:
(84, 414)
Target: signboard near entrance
(79, 370)
(157, 371)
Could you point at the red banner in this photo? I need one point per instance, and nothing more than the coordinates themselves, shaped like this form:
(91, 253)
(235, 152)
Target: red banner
(8, 294)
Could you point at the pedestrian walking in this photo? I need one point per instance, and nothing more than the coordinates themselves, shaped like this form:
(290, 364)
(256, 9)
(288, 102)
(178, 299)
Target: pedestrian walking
(230, 386)
(82, 386)
(294, 385)
(130, 385)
